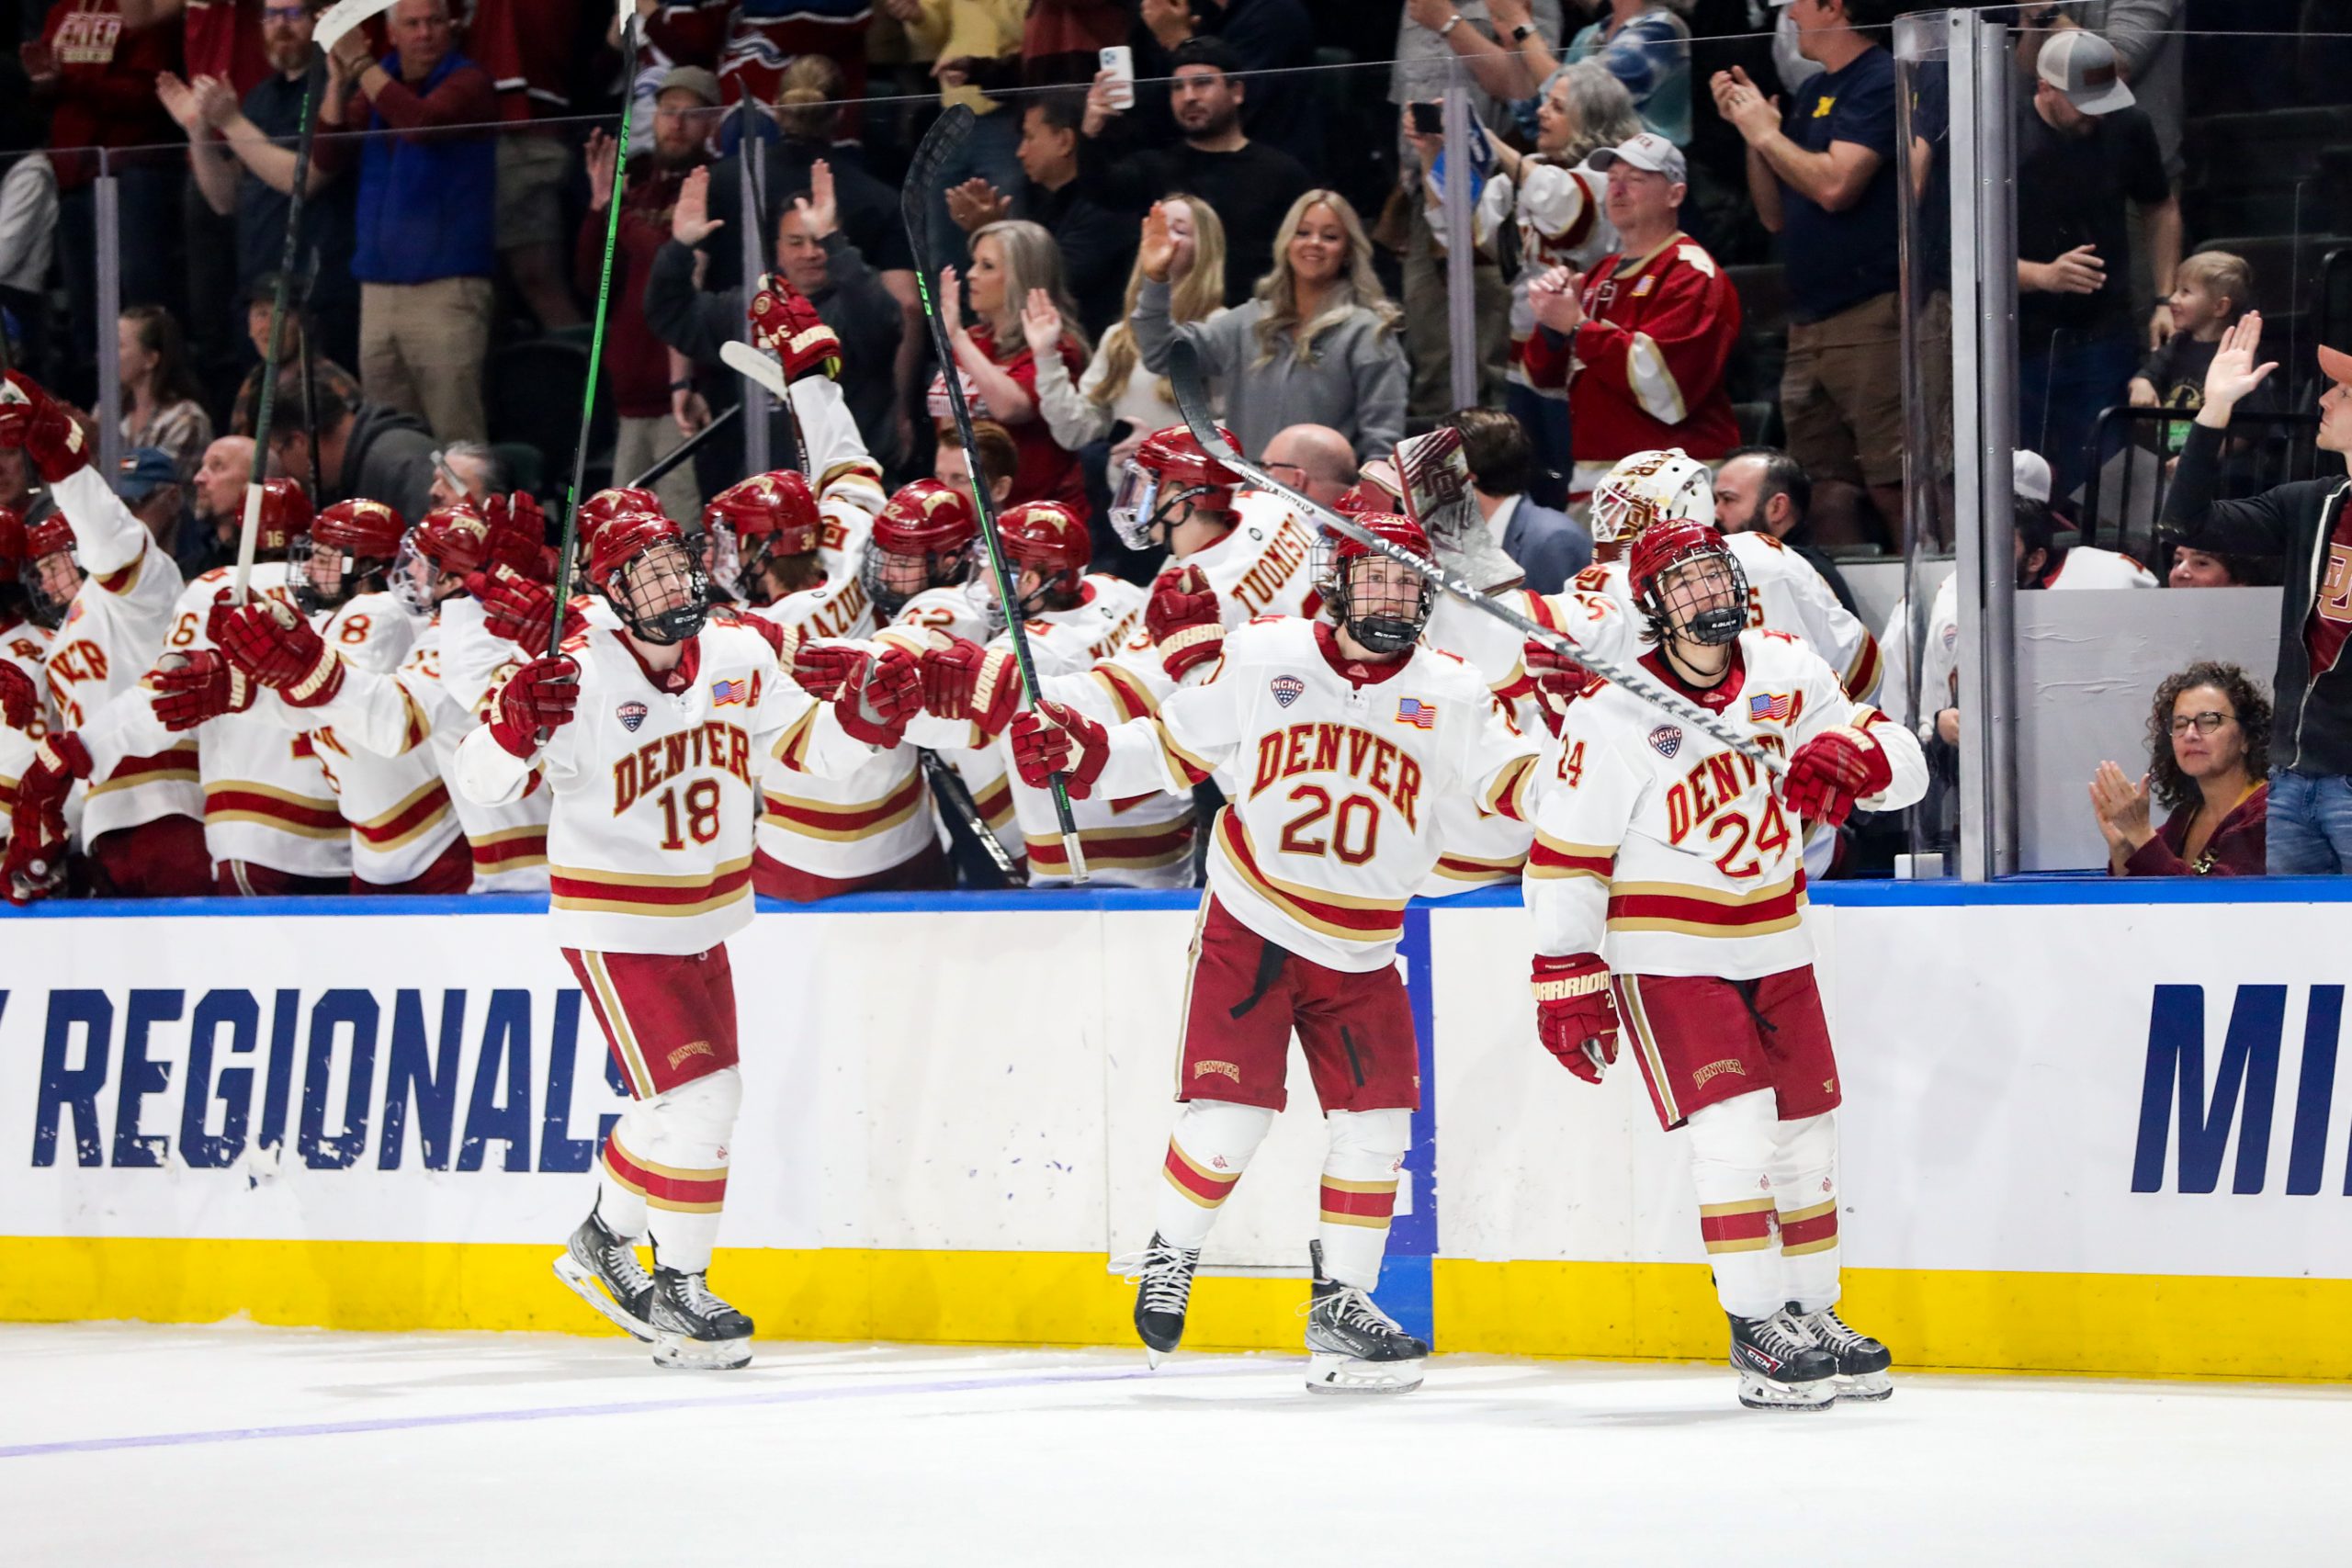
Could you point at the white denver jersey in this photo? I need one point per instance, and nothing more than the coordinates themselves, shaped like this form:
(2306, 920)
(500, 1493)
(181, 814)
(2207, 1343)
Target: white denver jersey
(266, 800)
(1668, 853)
(1784, 594)
(844, 476)
(1479, 847)
(1263, 567)
(2086, 565)
(26, 646)
(656, 785)
(960, 612)
(111, 632)
(1334, 828)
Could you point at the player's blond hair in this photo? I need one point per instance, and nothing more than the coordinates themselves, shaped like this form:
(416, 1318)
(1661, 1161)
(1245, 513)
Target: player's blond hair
(2221, 274)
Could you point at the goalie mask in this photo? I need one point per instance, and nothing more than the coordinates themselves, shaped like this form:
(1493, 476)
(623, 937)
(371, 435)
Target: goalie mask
(922, 539)
(642, 564)
(1171, 470)
(1665, 485)
(51, 575)
(768, 517)
(1380, 602)
(1689, 584)
(1431, 474)
(348, 551)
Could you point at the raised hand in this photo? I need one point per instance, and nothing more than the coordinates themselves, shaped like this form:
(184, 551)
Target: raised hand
(951, 303)
(690, 220)
(1557, 299)
(2233, 372)
(820, 209)
(179, 101)
(603, 154)
(2121, 807)
(1041, 323)
(976, 204)
(1157, 249)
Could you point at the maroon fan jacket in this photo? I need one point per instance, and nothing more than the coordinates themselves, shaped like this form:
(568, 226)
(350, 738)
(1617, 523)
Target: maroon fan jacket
(1646, 367)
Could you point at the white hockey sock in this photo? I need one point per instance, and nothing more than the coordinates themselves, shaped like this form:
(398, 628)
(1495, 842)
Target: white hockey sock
(1804, 1188)
(1732, 1145)
(1359, 1176)
(1206, 1155)
(670, 1153)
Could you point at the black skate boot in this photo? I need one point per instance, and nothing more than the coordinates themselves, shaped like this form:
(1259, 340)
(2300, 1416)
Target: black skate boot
(1163, 1282)
(1862, 1360)
(693, 1328)
(1779, 1365)
(602, 1269)
(1352, 1346)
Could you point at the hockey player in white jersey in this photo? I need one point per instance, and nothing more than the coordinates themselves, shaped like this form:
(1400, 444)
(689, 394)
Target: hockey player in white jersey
(271, 822)
(1346, 732)
(24, 684)
(1082, 629)
(109, 588)
(1668, 893)
(1784, 593)
(651, 735)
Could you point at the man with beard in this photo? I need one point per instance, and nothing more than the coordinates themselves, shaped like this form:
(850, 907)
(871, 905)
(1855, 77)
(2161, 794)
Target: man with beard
(242, 158)
(219, 502)
(651, 383)
(1249, 184)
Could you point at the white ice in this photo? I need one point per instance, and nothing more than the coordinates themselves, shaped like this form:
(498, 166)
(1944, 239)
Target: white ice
(125, 1444)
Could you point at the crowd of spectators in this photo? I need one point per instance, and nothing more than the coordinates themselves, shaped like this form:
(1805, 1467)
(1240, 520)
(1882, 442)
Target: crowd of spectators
(1683, 233)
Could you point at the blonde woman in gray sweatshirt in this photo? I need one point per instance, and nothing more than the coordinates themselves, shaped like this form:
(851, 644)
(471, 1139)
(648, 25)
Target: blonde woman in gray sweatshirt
(1315, 343)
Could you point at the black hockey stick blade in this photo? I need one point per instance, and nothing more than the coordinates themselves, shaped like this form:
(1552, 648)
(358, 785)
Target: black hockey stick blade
(1188, 379)
(947, 133)
(962, 815)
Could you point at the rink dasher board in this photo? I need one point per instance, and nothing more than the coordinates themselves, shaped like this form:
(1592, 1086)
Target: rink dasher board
(956, 1108)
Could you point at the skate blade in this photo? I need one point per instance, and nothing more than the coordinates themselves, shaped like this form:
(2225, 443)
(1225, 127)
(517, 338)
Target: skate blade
(1328, 1372)
(1866, 1388)
(584, 1284)
(1151, 1357)
(675, 1352)
(1758, 1393)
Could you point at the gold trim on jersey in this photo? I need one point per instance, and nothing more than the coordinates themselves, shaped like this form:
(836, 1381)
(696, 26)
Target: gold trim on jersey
(608, 1003)
(1510, 785)
(1637, 1021)
(1181, 760)
(1475, 868)
(909, 795)
(416, 831)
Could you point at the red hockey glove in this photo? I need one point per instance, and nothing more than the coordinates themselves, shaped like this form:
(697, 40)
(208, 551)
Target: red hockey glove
(1559, 681)
(1184, 621)
(874, 696)
(964, 683)
(36, 861)
(1575, 1015)
(785, 323)
(198, 686)
(780, 641)
(537, 700)
(1051, 739)
(519, 534)
(19, 698)
(44, 427)
(279, 649)
(1831, 772)
(515, 608)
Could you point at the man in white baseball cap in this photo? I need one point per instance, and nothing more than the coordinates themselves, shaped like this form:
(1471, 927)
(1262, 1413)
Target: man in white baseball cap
(2081, 65)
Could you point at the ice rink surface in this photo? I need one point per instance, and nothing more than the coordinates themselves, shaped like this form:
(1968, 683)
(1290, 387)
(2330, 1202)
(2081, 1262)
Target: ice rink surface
(125, 1444)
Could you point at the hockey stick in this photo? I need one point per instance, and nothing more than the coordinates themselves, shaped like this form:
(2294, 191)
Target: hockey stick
(753, 151)
(686, 449)
(1186, 379)
(949, 785)
(596, 337)
(946, 134)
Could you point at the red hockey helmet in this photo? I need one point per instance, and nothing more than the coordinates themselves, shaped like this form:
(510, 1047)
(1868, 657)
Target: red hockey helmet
(348, 549)
(285, 512)
(53, 573)
(446, 543)
(1687, 583)
(778, 507)
(1371, 605)
(1171, 468)
(641, 562)
(922, 539)
(606, 504)
(1363, 497)
(12, 545)
(1050, 539)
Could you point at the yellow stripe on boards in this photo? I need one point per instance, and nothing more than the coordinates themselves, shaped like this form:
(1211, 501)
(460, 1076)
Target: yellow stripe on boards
(2119, 1325)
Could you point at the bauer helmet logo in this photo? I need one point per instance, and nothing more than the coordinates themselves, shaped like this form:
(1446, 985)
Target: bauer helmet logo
(1667, 739)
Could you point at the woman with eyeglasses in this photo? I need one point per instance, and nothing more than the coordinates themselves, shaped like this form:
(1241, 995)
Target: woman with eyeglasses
(2209, 757)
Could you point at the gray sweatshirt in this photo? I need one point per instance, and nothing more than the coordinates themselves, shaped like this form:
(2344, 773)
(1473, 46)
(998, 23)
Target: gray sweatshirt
(1355, 382)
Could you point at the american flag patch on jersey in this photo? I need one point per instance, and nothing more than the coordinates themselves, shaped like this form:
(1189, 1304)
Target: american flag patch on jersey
(1769, 706)
(726, 693)
(1417, 713)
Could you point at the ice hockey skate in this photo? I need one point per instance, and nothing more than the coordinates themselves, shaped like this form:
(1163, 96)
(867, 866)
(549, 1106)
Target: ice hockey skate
(693, 1328)
(1862, 1361)
(1780, 1366)
(1352, 1346)
(1163, 1282)
(603, 1269)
